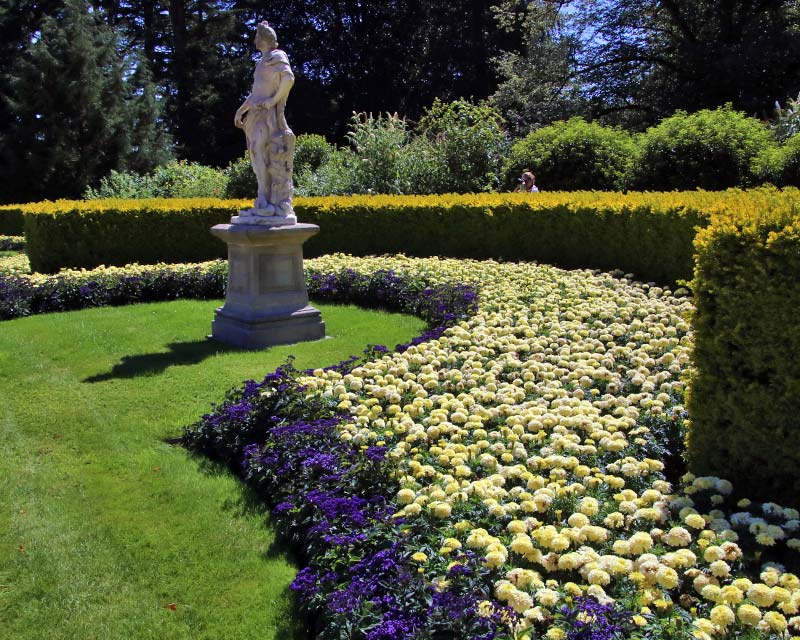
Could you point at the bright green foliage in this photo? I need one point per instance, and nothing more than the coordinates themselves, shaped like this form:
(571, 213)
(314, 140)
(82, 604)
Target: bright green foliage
(743, 401)
(311, 151)
(179, 179)
(472, 140)
(572, 155)
(376, 143)
(241, 180)
(780, 165)
(645, 234)
(705, 150)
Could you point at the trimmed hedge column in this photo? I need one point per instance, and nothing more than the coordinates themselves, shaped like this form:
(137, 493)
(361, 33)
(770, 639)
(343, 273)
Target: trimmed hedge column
(743, 401)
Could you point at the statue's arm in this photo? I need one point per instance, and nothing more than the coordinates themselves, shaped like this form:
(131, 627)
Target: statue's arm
(284, 86)
(241, 111)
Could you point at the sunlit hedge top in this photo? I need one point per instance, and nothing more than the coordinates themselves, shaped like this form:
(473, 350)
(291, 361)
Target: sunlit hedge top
(648, 234)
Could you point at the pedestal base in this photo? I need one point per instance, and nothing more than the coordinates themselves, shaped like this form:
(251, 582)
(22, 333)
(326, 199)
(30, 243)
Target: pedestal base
(300, 326)
(266, 302)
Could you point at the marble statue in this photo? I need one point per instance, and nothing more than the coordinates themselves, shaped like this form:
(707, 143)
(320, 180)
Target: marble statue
(269, 138)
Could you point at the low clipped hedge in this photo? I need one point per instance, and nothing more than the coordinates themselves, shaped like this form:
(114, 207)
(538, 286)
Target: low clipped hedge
(744, 394)
(87, 234)
(646, 234)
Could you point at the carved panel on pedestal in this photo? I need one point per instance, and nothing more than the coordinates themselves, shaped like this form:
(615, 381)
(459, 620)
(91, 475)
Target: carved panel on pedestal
(277, 273)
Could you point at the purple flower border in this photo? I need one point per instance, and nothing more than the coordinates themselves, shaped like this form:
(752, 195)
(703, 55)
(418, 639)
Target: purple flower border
(333, 501)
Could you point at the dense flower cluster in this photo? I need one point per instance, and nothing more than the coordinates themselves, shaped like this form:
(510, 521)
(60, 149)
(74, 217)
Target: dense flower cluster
(12, 243)
(533, 435)
(23, 293)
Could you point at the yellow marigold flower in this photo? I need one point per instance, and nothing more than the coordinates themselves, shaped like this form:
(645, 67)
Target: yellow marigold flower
(559, 543)
(406, 496)
(639, 621)
(731, 595)
(713, 553)
(775, 621)
(667, 577)
(695, 521)
(520, 601)
(765, 539)
(722, 615)
(419, 557)
(485, 609)
(547, 597)
(554, 633)
(678, 537)
(441, 509)
(761, 595)
(494, 559)
(720, 569)
(598, 576)
(748, 614)
(516, 526)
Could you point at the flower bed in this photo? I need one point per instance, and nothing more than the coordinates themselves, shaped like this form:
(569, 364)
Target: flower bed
(517, 474)
(12, 243)
(24, 294)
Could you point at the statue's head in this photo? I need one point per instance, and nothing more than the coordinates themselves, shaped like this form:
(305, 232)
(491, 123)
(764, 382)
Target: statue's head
(266, 35)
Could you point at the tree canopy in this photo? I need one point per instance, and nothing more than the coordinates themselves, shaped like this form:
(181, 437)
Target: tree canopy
(182, 67)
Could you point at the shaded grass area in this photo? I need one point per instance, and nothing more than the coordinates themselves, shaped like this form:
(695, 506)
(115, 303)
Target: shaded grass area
(108, 532)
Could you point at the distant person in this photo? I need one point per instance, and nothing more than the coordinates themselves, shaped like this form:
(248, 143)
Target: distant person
(527, 182)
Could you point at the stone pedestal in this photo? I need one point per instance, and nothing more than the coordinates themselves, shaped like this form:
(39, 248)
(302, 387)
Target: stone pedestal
(266, 301)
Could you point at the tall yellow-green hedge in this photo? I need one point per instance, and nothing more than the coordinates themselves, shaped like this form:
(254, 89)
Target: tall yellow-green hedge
(743, 402)
(647, 234)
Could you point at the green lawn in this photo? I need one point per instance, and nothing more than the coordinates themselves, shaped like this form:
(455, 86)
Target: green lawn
(106, 531)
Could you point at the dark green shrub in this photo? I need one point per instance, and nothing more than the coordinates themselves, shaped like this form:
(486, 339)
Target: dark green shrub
(311, 151)
(11, 221)
(472, 141)
(710, 150)
(572, 155)
(242, 181)
(780, 165)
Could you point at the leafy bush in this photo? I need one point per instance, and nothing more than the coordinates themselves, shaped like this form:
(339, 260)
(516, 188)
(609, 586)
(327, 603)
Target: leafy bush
(780, 165)
(242, 181)
(311, 151)
(472, 141)
(180, 179)
(86, 234)
(332, 178)
(572, 155)
(707, 150)
(377, 143)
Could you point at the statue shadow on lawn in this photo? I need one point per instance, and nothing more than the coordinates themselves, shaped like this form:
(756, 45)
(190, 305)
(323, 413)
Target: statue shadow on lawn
(180, 353)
